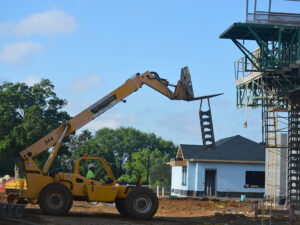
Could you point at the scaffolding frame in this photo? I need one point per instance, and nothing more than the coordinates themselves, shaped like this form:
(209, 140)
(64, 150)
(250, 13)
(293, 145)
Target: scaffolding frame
(271, 153)
(294, 154)
(269, 77)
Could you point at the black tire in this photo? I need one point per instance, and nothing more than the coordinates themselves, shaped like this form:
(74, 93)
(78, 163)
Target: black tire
(120, 205)
(55, 199)
(12, 198)
(141, 203)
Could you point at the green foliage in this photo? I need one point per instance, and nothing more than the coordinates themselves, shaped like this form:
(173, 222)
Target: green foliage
(159, 170)
(126, 150)
(67, 162)
(27, 114)
(6, 167)
(30, 112)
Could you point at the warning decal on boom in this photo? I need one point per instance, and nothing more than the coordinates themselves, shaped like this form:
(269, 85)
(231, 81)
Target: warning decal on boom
(103, 104)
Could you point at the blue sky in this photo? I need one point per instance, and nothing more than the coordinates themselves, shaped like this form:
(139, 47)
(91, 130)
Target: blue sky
(89, 48)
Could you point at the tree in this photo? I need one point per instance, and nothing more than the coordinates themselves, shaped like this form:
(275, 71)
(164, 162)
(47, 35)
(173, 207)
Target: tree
(160, 173)
(117, 146)
(6, 167)
(27, 114)
(66, 160)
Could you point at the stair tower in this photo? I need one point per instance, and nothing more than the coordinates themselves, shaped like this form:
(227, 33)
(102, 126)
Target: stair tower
(269, 77)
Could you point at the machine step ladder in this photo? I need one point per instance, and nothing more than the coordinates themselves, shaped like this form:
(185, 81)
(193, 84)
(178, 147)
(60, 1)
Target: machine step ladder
(294, 155)
(271, 128)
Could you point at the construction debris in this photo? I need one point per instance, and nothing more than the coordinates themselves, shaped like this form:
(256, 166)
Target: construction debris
(11, 210)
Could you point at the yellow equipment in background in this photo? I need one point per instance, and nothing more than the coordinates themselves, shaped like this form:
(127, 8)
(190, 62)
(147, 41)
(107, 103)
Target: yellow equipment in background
(56, 191)
(13, 190)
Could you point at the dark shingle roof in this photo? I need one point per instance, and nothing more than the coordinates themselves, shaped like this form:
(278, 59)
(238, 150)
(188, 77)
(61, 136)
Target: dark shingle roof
(235, 148)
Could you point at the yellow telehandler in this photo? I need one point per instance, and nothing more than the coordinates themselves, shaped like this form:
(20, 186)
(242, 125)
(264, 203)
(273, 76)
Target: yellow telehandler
(55, 191)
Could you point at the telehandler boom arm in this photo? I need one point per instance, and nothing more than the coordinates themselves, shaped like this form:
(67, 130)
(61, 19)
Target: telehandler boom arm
(183, 91)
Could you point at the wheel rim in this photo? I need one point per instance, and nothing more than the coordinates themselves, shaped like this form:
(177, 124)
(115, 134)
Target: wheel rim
(55, 200)
(142, 204)
(93, 203)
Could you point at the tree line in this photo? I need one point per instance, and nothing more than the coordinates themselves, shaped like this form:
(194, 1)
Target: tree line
(30, 112)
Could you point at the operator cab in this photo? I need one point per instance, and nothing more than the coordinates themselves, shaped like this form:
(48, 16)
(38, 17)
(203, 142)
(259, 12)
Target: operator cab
(95, 166)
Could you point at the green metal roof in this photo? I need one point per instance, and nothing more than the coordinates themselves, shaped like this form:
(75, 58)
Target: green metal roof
(241, 31)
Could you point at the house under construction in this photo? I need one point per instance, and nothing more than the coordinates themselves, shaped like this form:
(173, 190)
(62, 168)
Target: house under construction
(269, 77)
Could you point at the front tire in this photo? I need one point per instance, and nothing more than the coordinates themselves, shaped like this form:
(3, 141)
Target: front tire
(55, 199)
(141, 203)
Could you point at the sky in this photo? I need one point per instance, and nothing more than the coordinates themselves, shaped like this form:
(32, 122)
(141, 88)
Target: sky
(89, 48)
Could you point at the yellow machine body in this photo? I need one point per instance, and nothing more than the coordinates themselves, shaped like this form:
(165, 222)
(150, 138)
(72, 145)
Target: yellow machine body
(81, 187)
(15, 185)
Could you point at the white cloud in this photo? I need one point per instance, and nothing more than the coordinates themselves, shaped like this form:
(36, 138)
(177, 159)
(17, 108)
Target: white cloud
(49, 22)
(12, 53)
(84, 83)
(31, 80)
(5, 28)
(111, 120)
(98, 124)
(182, 127)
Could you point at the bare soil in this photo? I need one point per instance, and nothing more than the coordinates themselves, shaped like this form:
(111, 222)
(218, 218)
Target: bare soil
(171, 211)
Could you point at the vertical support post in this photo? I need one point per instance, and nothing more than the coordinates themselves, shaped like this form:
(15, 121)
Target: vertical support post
(237, 97)
(262, 110)
(294, 154)
(292, 215)
(255, 10)
(279, 44)
(298, 55)
(269, 14)
(246, 109)
(255, 210)
(163, 191)
(148, 170)
(157, 191)
(247, 10)
(243, 65)
(263, 211)
(275, 115)
(271, 214)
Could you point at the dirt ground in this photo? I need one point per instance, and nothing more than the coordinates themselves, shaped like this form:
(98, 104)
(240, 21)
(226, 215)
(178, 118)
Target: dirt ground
(171, 211)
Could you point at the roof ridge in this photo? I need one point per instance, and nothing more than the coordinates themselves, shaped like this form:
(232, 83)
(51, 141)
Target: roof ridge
(235, 147)
(190, 145)
(224, 140)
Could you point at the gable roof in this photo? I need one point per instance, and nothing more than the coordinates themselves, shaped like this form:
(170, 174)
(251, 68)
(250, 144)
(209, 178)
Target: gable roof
(235, 148)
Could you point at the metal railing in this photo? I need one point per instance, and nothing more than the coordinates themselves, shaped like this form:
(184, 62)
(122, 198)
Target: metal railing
(273, 18)
(161, 191)
(242, 67)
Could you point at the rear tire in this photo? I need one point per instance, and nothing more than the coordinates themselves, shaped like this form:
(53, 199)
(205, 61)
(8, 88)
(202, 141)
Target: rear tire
(120, 205)
(55, 199)
(141, 203)
(12, 198)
